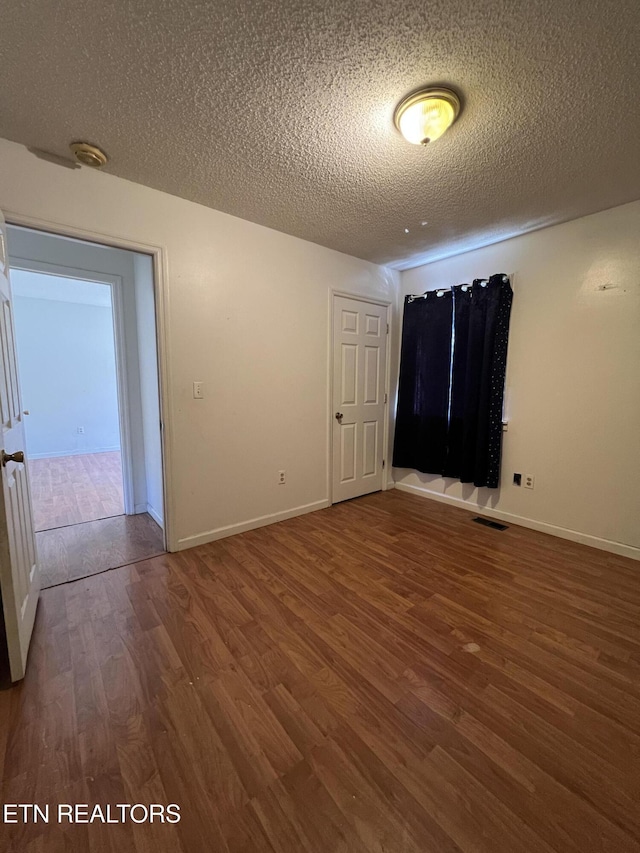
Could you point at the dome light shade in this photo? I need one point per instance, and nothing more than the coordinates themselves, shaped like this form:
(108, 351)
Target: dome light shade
(425, 115)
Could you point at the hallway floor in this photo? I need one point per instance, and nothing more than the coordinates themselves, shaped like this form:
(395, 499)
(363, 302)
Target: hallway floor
(80, 550)
(78, 511)
(74, 489)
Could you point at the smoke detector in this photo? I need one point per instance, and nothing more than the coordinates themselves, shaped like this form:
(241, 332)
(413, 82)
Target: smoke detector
(88, 155)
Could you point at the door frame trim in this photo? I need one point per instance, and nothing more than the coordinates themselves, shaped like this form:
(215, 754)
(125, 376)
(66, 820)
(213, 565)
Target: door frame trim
(382, 303)
(161, 298)
(114, 282)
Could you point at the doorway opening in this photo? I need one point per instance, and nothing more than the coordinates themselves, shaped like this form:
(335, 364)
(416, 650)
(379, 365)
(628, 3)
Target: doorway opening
(87, 360)
(67, 363)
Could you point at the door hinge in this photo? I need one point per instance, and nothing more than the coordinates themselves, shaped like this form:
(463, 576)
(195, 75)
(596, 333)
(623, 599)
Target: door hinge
(383, 463)
(385, 398)
(387, 328)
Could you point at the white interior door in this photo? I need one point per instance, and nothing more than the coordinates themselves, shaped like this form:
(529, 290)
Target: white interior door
(359, 398)
(19, 575)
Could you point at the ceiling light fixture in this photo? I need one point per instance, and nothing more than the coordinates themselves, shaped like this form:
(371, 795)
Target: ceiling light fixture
(426, 114)
(88, 155)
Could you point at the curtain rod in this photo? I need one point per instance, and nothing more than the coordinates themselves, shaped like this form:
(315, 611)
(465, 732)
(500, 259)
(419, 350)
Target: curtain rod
(440, 290)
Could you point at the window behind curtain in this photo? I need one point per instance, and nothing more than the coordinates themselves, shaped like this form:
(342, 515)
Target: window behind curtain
(452, 371)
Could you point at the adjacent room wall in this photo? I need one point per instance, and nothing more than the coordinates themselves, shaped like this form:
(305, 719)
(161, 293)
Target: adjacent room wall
(573, 394)
(149, 385)
(66, 360)
(247, 314)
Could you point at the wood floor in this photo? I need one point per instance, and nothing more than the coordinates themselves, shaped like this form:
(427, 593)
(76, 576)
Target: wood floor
(383, 675)
(69, 553)
(73, 489)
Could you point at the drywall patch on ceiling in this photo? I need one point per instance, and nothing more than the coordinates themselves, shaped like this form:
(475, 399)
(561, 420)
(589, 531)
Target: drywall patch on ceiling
(283, 113)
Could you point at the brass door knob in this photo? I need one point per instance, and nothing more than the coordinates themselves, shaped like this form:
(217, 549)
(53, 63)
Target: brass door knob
(18, 457)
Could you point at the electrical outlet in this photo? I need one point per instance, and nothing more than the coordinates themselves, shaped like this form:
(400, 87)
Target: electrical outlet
(198, 393)
(282, 478)
(80, 430)
(529, 481)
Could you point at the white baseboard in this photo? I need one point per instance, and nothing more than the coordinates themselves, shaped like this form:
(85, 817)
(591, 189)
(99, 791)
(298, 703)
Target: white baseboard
(155, 516)
(55, 454)
(252, 524)
(138, 509)
(542, 526)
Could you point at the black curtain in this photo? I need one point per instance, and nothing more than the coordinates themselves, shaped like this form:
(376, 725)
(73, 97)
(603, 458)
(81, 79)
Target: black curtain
(481, 330)
(449, 419)
(423, 393)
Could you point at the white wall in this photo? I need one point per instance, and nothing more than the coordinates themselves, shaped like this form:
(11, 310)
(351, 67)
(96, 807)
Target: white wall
(66, 360)
(247, 313)
(149, 385)
(573, 393)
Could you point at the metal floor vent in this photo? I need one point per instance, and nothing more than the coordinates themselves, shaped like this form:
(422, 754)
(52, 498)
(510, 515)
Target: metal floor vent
(488, 523)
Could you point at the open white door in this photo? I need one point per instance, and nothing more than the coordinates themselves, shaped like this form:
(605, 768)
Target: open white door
(359, 398)
(19, 575)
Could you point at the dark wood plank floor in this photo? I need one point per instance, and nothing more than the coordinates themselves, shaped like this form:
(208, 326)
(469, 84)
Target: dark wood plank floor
(80, 550)
(383, 675)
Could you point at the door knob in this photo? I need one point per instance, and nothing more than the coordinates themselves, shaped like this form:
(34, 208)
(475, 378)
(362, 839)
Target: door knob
(18, 456)
(339, 417)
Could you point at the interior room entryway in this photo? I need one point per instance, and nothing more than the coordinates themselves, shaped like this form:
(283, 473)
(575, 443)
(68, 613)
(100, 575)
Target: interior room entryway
(84, 323)
(359, 396)
(64, 331)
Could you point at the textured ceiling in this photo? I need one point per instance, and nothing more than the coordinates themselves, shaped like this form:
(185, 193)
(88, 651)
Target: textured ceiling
(281, 112)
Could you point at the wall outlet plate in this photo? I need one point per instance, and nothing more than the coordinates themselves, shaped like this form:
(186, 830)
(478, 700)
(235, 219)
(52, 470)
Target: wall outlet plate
(529, 481)
(282, 478)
